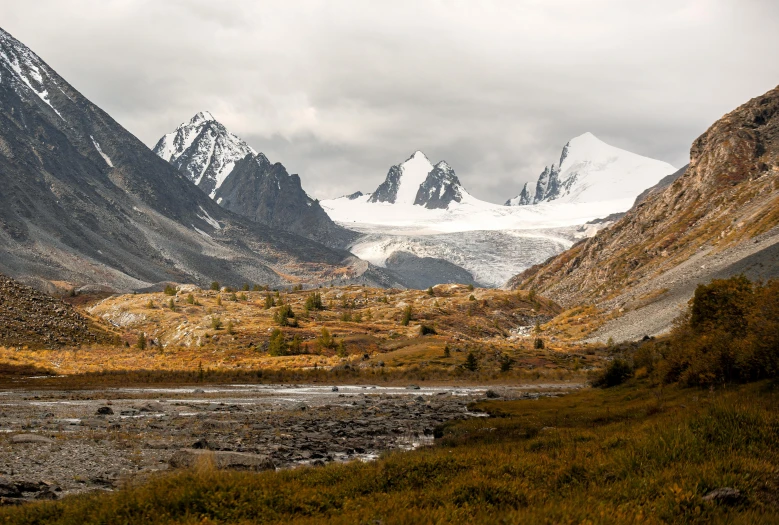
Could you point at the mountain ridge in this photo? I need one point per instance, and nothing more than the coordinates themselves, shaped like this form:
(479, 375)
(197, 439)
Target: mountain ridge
(85, 201)
(727, 197)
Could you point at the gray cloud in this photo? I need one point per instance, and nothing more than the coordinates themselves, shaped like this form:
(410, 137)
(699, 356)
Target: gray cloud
(340, 90)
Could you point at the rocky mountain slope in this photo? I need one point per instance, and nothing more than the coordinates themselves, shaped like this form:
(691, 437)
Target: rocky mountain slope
(266, 193)
(590, 170)
(85, 201)
(246, 182)
(723, 209)
(34, 319)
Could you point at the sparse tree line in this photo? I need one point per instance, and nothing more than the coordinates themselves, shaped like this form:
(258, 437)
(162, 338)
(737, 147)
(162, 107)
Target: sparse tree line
(729, 334)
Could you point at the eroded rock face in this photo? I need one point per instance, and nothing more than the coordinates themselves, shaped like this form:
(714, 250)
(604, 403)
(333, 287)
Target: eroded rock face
(727, 195)
(31, 318)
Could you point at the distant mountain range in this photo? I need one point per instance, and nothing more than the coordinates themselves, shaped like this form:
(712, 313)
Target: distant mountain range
(85, 201)
(420, 207)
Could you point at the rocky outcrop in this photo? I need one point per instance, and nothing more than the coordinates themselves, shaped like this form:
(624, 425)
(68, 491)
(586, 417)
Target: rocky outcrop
(423, 272)
(31, 318)
(267, 194)
(728, 195)
(440, 189)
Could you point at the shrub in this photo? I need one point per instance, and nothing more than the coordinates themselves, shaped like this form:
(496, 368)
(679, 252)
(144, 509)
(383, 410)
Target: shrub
(430, 291)
(346, 317)
(169, 290)
(215, 285)
(216, 323)
(722, 304)
(426, 330)
(229, 329)
(615, 374)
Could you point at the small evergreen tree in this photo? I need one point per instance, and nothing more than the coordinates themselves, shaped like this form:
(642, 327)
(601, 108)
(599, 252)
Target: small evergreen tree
(283, 316)
(172, 305)
(233, 297)
(216, 323)
(447, 351)
(219, 300)
(314, 301)
(325, 340)
(406, 317)
(346, 317)
(470, 287)
(191, 299)
(245, 287)
(269, 302)
(277, 345)
(357, 317)
(505, 363)
(471, 363)
(539, 344)
(169, 290)
(215, 286)
(141, 344)
(150, 304)
(230, 330)
(430, 291)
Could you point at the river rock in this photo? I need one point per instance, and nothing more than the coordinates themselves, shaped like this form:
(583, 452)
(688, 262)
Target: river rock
(189, 457)
(30, 438)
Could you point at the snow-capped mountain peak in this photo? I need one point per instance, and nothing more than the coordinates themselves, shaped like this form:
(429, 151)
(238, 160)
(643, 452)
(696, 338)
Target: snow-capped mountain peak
(590, 170)
(26, 72)
(204, 150)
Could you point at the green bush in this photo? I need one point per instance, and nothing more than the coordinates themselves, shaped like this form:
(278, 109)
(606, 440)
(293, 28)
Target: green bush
(615, 374)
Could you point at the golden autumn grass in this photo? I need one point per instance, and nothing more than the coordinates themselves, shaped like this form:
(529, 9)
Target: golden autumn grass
(630, 454)
(223, 336)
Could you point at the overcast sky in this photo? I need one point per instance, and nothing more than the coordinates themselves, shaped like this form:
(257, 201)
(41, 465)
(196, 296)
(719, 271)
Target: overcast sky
(338, 91)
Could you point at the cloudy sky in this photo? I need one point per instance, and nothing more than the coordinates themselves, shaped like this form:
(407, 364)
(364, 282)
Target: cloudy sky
(339, 91)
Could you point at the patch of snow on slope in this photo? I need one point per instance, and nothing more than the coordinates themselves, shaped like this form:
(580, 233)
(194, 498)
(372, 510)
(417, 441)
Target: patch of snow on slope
(23, 57)
(106, 158)
(213, 222)
(414, 173)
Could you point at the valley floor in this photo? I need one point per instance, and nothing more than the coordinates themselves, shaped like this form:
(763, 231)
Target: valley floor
(630, 454)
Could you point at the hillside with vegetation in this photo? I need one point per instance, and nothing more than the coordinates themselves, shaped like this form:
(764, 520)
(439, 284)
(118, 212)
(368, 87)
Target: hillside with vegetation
(724, 209)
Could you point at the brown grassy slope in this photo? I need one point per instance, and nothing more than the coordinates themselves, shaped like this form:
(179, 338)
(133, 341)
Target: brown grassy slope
(727, 196)
(33, 319)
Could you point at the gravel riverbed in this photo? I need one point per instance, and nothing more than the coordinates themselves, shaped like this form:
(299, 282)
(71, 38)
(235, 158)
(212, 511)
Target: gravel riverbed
(59, 442)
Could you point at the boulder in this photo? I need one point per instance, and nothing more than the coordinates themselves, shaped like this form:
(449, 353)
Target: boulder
(30, 438)
(189, 457)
